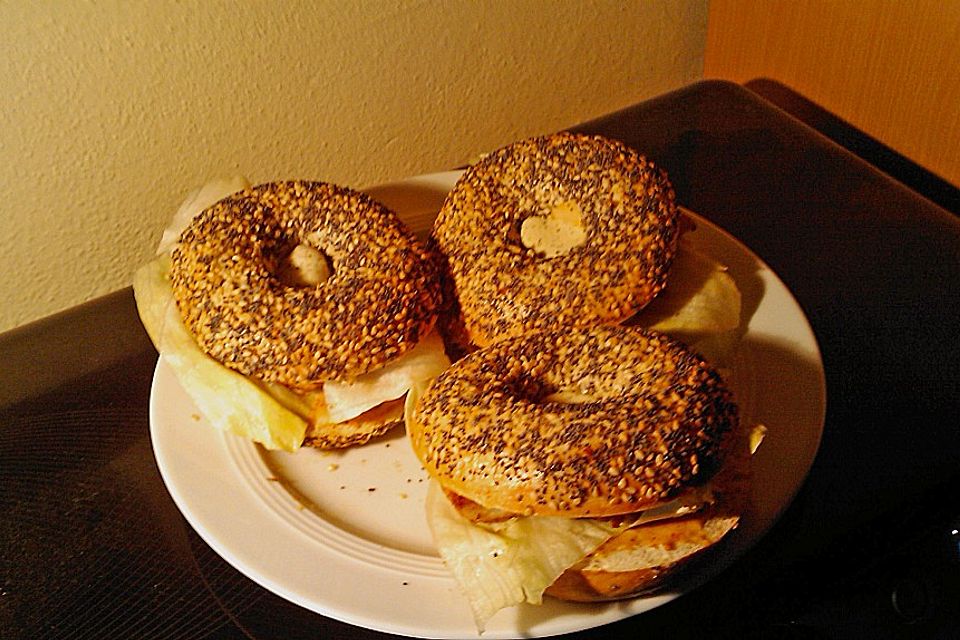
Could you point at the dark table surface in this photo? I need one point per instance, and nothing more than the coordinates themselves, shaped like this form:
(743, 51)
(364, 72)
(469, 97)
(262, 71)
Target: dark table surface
(92, 546)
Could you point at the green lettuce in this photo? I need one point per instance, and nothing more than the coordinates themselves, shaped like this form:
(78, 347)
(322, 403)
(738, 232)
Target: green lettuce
(700, 306)
(228, 400)
(504, 564)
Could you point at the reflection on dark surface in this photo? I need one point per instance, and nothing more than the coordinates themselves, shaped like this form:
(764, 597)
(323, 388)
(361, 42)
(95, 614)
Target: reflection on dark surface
(92, 546)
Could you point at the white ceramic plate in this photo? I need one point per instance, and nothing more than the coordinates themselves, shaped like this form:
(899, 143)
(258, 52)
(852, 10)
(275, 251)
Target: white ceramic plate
(344, 534)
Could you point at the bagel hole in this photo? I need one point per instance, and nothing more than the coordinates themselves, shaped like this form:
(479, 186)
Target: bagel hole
(304, 266)
(588, 389)
(541, 392)
(556, 232)
(569, 395)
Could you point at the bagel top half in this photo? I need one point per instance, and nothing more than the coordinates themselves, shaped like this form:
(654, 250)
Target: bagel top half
(616, 208)
(383, 295)
(592, 422)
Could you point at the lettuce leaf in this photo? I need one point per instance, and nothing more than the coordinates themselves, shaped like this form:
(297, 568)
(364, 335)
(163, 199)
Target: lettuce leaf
(700, 306)
(512, 562)
(229, 400)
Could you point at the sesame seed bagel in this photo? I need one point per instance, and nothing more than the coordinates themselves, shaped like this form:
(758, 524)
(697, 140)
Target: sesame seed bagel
(621, 203)
(380, 300)
(581, 423)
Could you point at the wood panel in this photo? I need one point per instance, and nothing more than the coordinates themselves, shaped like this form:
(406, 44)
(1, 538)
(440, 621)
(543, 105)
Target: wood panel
(890, 68)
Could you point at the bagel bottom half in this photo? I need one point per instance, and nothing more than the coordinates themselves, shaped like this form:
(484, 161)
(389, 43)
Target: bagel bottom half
(651, 556)
(642, 559)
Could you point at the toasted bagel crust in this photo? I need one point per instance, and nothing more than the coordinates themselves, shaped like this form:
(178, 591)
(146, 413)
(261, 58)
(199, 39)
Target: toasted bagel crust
(642, 559)
(647, 420)
(505, 288)
(355, 431)
(645, 558)
(381, 299)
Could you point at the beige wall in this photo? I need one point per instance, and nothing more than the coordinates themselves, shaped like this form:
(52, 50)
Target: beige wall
(889, 67)
(113, 111)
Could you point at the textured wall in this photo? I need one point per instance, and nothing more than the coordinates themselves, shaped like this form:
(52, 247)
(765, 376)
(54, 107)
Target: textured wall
(113, 111)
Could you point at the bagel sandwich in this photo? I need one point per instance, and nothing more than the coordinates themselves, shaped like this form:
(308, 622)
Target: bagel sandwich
(293, 313)
(570, 230)
(561, 230)
(588, 465)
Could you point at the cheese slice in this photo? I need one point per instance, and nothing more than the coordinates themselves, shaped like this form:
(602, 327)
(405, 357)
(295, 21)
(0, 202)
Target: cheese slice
(424, 362)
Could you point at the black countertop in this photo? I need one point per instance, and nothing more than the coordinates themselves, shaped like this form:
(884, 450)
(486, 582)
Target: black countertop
(91, 545)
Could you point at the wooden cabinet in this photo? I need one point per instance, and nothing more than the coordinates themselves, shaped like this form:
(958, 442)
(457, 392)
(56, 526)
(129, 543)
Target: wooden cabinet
(889, 68)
